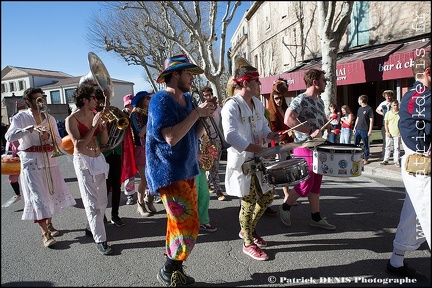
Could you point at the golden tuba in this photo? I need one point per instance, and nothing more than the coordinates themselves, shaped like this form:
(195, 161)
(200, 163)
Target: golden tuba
(99, 76)
(238, 62)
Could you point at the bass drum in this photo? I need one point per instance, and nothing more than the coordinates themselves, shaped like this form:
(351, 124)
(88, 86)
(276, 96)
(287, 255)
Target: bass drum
(10, 165)
(67, 144)
(342, 160)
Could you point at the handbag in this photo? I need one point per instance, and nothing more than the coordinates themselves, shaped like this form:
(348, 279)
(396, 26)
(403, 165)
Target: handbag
(418, 164)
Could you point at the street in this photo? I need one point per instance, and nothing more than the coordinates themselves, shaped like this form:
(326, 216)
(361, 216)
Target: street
(365, 212)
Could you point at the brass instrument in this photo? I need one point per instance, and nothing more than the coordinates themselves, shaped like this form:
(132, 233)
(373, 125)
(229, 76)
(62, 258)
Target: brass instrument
(238, 62)
(41, 107)
(210, 151)
(99, 76)
(198, 98)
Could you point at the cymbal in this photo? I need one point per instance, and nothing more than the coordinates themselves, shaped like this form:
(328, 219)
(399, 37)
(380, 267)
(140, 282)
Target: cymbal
(278, 149)
(312, 143)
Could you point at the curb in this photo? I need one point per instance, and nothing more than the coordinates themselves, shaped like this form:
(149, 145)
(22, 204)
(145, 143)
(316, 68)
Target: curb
(381, 173)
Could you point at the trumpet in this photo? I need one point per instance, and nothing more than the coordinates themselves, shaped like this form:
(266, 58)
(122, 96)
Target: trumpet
(121, 123)
(41, 107)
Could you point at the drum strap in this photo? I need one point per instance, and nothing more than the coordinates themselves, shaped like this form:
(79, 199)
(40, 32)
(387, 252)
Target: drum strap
(250, 119)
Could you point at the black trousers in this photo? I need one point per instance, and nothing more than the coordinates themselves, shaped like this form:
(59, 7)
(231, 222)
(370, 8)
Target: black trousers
(113, 182)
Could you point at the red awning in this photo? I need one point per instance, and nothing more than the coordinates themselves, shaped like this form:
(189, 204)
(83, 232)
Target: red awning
(392, 61)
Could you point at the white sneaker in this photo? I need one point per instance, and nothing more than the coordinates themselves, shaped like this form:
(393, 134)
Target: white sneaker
(11, 201)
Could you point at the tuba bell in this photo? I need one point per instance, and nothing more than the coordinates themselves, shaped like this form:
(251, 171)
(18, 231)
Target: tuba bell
(239, 61)
(99, 76)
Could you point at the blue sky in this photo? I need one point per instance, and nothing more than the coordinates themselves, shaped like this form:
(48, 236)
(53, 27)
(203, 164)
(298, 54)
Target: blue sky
(51, 36)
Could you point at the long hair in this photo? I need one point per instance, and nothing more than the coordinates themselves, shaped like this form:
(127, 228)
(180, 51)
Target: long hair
(347, 109)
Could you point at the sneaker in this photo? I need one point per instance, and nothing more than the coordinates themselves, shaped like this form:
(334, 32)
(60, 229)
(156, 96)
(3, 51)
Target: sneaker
(104, 248)
(385, 162)
(255, 252)
(208, 228)
(322, 224)
(260, 242)
(11, 201)
(285, 216)
(270, 212)
(157, 199)
(117, 221)
(175, 278)
(130, 200)
(54, 232)
(48, 240)
(404, 271)
(149, 201)
(142, 210)
(397, 164)
(365, 162)
(220, 196)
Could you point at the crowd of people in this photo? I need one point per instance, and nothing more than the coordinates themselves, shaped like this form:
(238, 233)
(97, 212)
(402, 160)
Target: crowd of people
(167, 129)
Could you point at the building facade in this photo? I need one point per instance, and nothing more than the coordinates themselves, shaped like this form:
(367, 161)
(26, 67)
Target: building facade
(281, 39)
(57, 86)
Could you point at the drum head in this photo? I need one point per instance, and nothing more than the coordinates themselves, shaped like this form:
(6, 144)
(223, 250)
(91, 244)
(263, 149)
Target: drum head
(339, 148)
(283, 164)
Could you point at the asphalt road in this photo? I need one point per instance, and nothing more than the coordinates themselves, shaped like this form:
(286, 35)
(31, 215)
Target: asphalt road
(364, 211)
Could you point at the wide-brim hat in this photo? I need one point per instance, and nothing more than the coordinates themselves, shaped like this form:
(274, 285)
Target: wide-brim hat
(138, 96)
(175, 63)
(127, 99)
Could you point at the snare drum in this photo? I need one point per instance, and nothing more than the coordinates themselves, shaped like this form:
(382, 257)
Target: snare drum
(288, 172)
(342, 160)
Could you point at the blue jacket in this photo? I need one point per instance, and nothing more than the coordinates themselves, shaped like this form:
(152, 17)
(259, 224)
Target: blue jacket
(415, 118)
(165, 164)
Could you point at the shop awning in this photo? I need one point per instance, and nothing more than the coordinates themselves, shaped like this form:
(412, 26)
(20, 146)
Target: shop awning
(392, 61)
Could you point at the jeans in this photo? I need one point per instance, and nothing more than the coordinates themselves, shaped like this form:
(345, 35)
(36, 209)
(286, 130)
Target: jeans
(362, 135)
(332, 137)
(345, 136)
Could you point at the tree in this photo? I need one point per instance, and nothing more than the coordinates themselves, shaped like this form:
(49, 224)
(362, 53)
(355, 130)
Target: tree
(331, 28)
(147, 32)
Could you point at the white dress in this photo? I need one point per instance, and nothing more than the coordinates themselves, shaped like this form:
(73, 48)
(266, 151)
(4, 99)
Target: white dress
(38, 202)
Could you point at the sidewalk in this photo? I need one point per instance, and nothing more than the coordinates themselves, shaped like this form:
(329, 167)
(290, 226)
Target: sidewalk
(383, 171)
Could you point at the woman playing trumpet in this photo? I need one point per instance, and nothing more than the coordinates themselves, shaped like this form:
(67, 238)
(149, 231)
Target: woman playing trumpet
(39, 171)
(84, 126)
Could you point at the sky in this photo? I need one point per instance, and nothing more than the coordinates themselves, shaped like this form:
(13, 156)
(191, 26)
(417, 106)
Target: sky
(52, 36)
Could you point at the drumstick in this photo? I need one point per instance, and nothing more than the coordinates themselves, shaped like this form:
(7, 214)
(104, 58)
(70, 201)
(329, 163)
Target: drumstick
(286, 131)
(328, 122)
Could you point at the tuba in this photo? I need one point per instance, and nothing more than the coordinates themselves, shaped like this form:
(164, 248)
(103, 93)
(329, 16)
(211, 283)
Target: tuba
(238, 62)
(99, 76)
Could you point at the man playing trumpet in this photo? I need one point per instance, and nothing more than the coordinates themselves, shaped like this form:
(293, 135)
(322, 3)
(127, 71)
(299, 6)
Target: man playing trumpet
(43, 187)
